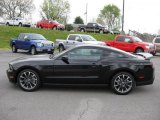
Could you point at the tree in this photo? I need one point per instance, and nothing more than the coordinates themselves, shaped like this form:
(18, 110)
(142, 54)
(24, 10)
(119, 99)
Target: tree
(110, 15)
(78, 20)
(55, 10)
(16, 8)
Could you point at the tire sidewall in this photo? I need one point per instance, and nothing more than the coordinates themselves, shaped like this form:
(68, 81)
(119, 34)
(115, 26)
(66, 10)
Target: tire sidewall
(61, 48)
(113, 80)
(14, 49)
(33, 49)
(38, 80)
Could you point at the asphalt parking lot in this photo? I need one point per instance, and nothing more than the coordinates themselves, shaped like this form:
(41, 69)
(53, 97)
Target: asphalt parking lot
(76, 103)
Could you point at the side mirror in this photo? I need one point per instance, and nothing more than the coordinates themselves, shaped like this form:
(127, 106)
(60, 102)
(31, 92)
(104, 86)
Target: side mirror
(65, 59)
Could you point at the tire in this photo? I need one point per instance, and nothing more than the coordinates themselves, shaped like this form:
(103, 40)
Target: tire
(20, 24)
(61, 48)
(28, 80)
(122, 83)
(138, 50)
(14, 49)
(101, 32)
(33, 50)
(82, 30)
(7, 24)
(50, 52)
(54, 28)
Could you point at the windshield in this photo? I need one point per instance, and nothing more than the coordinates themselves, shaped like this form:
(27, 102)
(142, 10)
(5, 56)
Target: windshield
(36, 37)
(88, 38)
(136, 39)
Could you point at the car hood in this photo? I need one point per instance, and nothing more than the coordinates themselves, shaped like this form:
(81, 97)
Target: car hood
(43, 41)
(35, 58)
(95, 43)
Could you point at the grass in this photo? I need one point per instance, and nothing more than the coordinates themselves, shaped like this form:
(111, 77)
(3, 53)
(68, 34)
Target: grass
(8, 32)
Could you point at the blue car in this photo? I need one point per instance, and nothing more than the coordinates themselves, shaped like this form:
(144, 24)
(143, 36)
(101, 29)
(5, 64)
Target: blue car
(32, 42)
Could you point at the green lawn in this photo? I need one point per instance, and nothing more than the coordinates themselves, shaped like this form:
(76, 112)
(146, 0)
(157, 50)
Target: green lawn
(8, 32)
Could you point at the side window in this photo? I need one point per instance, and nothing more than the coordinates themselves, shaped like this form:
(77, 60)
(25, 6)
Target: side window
(112, 54)
(127, 39)
(157, 40)
(72, 37)
(21, 37)
(93, 54)
(121, 39)
(90, 25)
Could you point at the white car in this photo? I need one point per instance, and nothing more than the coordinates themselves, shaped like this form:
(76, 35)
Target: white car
(17, 21)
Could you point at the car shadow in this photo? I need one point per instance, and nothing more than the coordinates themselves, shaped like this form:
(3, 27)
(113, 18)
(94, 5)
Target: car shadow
(76, 88)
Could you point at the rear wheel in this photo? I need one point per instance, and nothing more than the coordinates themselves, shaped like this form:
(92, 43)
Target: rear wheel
(14, 49)
(139, 50)
(122, 83)
(101, 32)
(82, 30)
(61, 48)
(28, 80)
(20, 25)
(33, 50)
(7, 24)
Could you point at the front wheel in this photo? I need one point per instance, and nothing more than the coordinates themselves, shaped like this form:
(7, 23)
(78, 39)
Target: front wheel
(122, 83)
(33, 50)
(28, 80)
(139, 50)
(14, 49)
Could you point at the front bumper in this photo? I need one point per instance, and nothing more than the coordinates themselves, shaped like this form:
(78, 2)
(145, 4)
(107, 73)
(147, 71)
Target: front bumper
(45, 49)
(11, 76)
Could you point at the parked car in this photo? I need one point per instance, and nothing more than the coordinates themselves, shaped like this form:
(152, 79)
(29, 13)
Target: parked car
(131, 44)
(50, 24)
(33, 42)
(18, 21)
(87, 64)
(93, 27)
(156, 42)
(76, 39)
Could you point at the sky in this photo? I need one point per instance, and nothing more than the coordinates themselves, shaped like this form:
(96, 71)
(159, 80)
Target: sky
(140, 15)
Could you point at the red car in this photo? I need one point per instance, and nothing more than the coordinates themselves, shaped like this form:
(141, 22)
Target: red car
(131, 44)
(49, 24)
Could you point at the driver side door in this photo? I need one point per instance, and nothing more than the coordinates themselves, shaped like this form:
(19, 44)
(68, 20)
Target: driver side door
(82, 66)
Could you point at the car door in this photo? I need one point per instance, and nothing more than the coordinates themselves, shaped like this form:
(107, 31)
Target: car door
(83, 66)
(23, 42)
(73, 40)
(123, 43)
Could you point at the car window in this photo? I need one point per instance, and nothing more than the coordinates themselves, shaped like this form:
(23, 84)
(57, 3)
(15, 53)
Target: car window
(85, 54)
(114, 54)
(127, 40)
(120, 39)
(21, 37)
(72, 37)
(157, 40)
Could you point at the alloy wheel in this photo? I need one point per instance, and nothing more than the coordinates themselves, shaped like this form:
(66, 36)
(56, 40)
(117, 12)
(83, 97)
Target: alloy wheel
(28, 80)
(122, 83)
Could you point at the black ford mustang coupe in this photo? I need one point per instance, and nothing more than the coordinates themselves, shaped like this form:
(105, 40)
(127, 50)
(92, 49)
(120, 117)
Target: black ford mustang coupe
(87, 64)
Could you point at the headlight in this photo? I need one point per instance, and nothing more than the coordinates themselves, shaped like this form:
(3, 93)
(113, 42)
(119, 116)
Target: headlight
(147, 46)
(40, 44)
(10, 67)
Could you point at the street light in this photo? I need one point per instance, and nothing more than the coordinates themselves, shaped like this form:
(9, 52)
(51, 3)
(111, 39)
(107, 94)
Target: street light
(122, 32)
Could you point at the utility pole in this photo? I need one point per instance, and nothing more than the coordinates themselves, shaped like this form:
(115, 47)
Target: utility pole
(86, 12)
(122, 32)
